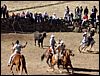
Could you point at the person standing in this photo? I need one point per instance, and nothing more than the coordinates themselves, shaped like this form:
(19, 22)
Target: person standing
(94, 10)
(77, 12)
(4, 10)
(86, 11)
(80, 12)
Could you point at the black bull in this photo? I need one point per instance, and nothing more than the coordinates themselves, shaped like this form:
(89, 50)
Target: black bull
(39, 37)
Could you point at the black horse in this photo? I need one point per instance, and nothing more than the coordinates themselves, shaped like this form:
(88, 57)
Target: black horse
(39, 37)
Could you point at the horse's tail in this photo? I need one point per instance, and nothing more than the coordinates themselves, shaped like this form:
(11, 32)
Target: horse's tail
(23, 60)
(24, 64)
(42, 57)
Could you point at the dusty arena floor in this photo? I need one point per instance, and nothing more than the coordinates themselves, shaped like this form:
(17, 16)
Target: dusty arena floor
(83, 63)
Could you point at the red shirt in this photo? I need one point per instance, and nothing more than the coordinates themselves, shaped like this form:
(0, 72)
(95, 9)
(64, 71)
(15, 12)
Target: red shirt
(85, 17)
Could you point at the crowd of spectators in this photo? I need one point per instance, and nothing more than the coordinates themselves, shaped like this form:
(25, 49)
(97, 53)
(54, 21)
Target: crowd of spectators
(41, 17)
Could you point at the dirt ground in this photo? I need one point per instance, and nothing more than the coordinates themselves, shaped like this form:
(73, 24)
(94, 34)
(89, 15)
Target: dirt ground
(83, 63)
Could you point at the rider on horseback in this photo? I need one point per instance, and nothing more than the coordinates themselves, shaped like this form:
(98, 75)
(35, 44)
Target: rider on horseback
(16, 49)
(52, 44)
(61, 48)
(90, 37)
(84, 40)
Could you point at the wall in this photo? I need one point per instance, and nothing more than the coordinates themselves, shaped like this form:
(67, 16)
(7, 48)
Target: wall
(28, 25)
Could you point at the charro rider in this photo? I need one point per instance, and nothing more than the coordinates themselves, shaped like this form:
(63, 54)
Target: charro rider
(52, 44)
(16, 49)
(60, 48)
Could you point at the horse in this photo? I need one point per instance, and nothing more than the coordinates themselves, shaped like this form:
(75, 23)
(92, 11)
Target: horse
(39, 37)
(64, 60)
(19, 61)
(90, 42)
(47, 54)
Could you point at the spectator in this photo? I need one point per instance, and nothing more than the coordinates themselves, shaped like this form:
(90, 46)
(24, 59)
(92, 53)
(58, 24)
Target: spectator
(54, 19)
(45, 16)
(67, 10)
(27, 14)
(94, 10)
(31, 15)
(40, 17)
(86, 11)
(77, 12)
(85, 18)
(80, 12)
(1, 11)
(23, 15)
(17, 17)
(66, 16)
(36, 17)
(7, 14)
(54, 16)
(4, 10)
(13, 15)
(92, 17)
(70, 17)
(98, 18)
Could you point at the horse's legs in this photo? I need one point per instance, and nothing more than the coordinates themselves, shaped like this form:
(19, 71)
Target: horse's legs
(38, 43)
(11, 69)
(42, 44)
(24, 67)
(80, 48)
(91, 46)
(48, 60)
(17, 68)
(58, 63)
(52, 66)
(85, 48)
(35, 42)
(67, 68)
(72, 68)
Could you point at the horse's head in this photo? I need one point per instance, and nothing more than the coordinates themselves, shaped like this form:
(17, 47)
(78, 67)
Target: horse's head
(44, 34)
(70, 52)
(49, 50)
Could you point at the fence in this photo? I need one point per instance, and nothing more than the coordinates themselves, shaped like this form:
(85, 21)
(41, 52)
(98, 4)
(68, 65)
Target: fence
(28, 25)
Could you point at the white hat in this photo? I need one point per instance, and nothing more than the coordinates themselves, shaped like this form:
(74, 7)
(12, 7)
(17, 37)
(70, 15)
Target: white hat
(84, 33)
(61, 42)
(69, 12)
(52, 36)
(92, 29)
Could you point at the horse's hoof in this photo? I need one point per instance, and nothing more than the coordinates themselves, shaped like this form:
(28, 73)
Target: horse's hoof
(52, 70)
(60, 71)
(72, 72)
(47, 70)
(8, 65)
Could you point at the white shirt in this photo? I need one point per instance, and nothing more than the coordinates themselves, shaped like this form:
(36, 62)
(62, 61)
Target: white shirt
(54, 17)
(17, 47)
(84, 40)
(52, 41)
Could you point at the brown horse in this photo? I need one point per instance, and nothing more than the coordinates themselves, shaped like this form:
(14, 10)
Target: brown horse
(54, 59)
(19, 61)
(65, 60)
(48, 55)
